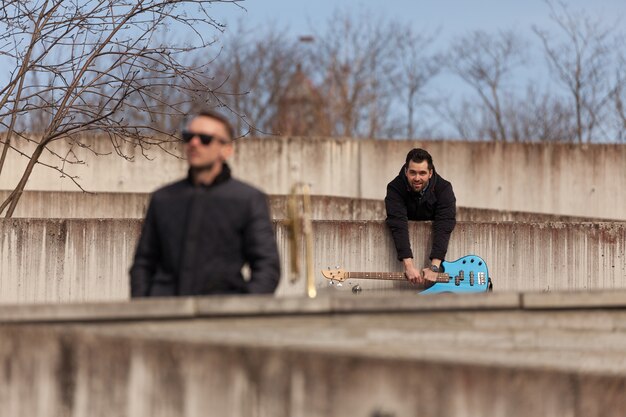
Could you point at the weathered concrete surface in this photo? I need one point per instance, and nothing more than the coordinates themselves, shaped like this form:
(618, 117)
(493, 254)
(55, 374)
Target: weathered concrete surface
(68, 205)
(59, 204)
(467, 214)
(326, 361)
(79, 374)
(79, 205)
(543, 178)
(65, 260)
(520, 256)
(83, 260)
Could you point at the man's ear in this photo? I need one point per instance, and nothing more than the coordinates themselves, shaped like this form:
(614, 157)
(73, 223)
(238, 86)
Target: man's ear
(227, 151)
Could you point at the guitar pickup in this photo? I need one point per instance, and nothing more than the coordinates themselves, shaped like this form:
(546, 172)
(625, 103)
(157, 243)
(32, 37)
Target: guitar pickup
(472, 278)
(457, 280)
(481, 278)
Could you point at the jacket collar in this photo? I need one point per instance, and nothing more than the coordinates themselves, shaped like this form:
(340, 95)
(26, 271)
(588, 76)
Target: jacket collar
(223, 176)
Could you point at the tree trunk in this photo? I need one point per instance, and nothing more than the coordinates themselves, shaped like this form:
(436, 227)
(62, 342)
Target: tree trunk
(14, 198)
(5, 149)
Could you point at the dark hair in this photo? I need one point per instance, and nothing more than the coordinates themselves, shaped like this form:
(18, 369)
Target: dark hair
(419, 155)
(216, 116)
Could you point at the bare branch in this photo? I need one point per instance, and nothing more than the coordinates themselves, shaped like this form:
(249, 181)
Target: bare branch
(99, 61)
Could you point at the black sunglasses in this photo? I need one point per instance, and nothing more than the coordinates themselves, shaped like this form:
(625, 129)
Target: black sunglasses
(204, 139)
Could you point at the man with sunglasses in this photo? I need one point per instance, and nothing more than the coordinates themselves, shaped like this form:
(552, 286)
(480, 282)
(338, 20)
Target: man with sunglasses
(420, 193)
(199, 232)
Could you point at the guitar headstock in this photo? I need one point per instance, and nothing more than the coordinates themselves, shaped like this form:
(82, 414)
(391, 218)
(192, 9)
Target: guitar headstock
(335, 274)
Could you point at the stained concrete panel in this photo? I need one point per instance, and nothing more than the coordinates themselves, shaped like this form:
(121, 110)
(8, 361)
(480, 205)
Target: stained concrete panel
(61, 260)
(520, 256)
(542, 178)
(88, 260)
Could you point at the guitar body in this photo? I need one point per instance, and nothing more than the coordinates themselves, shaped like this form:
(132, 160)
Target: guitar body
(468, 274)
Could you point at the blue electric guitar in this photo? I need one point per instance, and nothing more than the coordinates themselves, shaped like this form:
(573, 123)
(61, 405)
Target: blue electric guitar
(465, 275)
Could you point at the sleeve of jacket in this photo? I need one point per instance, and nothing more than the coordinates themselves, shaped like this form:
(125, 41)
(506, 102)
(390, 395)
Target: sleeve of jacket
(146, 256)
(397, 222)
(444, 223)
(260, 248)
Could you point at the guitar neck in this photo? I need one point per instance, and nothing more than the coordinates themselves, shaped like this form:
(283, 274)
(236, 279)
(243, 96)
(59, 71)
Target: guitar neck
(390, 276)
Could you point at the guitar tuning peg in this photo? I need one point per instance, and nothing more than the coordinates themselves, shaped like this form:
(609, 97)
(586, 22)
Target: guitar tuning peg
(331, 283)
(336, 266)
(328, 267)
(339, 284)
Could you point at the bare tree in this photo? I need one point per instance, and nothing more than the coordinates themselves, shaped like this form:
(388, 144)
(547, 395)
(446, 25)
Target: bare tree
(539, 116)
(619, 99)
(354, 60)
(415, 69)
(82, 66)
(485, 61)
(582, 64)
(466, 117)
(257, 64)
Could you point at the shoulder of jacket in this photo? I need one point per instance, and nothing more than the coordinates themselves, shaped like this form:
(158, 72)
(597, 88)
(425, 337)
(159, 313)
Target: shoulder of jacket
(168, 189)
(441, 182)
(443, 188)
(397, 183)
(243, 188)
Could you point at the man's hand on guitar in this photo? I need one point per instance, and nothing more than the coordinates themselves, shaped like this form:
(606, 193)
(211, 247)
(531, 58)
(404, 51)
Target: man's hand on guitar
(412, 273)
(429, 275)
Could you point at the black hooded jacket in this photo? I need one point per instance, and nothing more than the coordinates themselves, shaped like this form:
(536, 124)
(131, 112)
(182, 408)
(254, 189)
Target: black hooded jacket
(437, 204)
(195, 240)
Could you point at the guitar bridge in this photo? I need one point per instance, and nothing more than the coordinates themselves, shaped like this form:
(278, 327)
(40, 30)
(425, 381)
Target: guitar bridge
(481, 278)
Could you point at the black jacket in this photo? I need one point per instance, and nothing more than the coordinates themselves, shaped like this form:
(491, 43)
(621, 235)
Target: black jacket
(195, 240)
(437, 204)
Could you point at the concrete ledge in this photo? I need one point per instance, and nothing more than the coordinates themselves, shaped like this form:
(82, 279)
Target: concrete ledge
(164, 308)
(70, 205)
(250, 306)
(350, 304)
(415, 302)
(575, 299)
(259, 306)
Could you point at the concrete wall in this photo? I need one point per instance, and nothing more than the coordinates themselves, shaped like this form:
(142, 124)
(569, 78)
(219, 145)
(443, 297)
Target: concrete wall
(569, 180)
(68, 205)
(80, 260)
(383, 356)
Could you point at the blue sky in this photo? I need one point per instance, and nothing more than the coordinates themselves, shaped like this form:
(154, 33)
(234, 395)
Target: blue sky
(453, 17)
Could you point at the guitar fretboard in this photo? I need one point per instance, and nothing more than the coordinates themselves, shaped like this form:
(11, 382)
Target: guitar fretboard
(391, 276)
